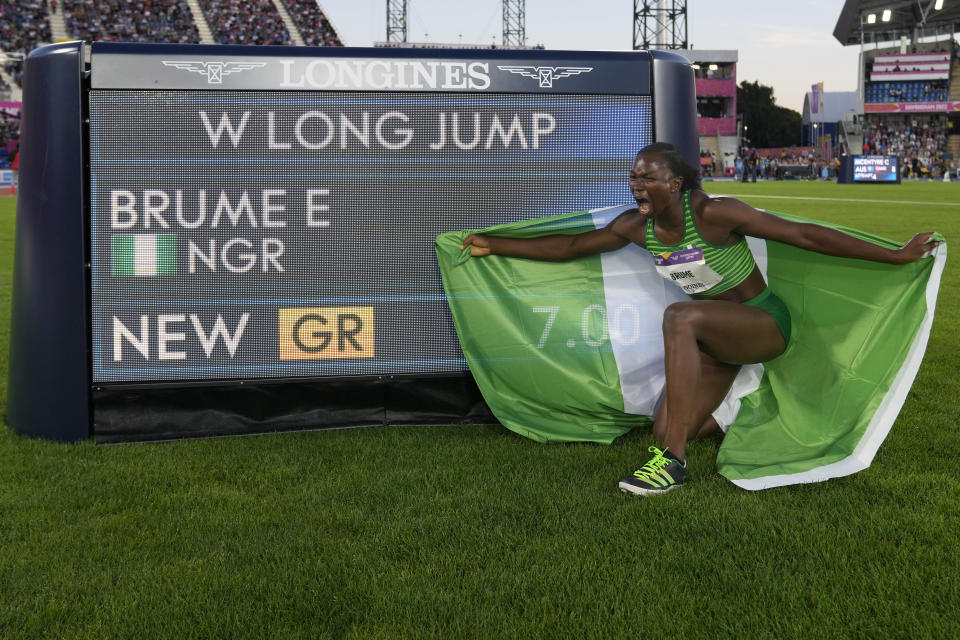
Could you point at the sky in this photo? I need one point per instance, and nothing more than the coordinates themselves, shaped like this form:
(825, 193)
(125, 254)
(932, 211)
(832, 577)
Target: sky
(786, 44)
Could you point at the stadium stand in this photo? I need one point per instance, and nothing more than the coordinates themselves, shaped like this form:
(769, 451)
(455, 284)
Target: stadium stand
(14, 69)
(910, 77)
(911, 82)
(23, 24)
(908, 98)
(919, 91)
(312, 23)
(233, 22)
(920, 143)
(130, 21)
(787, 155)
(934, 65)
(9, 136)
(27, 24)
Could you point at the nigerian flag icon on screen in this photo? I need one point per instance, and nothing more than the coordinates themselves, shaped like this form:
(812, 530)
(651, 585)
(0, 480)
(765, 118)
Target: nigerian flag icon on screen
(144, 254)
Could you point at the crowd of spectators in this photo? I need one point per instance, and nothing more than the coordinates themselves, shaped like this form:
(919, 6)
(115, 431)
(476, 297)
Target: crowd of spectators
(130, 20)
(783, 162)
(919, 143)
(708, 163)
(245, 22)
(23, 24)
(787, 155)
(9, 136)
(14, 69)
(779, 163)
(313, 24)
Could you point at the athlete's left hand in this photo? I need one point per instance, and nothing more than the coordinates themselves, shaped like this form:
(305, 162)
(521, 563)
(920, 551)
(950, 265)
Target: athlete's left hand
(918, 247)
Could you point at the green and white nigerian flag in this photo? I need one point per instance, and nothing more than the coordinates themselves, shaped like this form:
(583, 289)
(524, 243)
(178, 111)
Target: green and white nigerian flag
(144, 254)
(573, 351)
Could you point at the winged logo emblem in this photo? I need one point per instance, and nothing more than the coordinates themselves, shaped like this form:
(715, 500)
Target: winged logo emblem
(545, 75)
(212, 69)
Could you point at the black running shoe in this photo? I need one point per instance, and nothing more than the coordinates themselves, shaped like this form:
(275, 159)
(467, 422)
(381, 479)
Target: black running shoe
(660, 475)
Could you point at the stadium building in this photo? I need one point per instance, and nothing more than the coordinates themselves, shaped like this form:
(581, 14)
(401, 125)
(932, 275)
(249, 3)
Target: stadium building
(831, 121)
(907, 101)
(717, 124)
(909, 82)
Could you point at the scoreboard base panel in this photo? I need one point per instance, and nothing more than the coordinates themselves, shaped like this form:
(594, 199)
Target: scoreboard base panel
(125, 414)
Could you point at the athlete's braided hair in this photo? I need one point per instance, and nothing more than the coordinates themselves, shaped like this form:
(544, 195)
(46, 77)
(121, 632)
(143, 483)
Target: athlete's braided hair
(676, 162)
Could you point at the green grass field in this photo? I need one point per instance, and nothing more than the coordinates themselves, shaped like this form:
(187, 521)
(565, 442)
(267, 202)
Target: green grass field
(474, 532)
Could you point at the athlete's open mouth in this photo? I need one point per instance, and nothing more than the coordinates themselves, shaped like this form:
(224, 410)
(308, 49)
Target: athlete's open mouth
(644, 206)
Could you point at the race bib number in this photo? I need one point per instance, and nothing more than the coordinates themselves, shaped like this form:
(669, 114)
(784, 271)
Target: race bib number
(688, 270)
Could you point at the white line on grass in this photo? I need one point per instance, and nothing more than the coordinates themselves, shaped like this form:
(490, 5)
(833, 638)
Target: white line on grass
(750, 195)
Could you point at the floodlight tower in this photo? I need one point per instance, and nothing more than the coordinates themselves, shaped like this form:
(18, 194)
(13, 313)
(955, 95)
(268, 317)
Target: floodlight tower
(514, 23)
(396, 20)
(660, 24)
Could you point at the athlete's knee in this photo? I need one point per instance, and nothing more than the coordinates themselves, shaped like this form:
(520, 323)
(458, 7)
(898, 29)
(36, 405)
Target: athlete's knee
(680, 317)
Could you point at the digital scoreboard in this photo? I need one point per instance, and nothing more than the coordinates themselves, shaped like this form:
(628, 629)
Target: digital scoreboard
(869, 169)
(251, 228)
(250, 234)
(878, 169)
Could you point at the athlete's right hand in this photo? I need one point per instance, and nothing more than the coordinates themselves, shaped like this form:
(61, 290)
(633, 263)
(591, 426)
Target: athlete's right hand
(479, 245)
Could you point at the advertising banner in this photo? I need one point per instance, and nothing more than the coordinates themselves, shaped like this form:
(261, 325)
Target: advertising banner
(911, 107)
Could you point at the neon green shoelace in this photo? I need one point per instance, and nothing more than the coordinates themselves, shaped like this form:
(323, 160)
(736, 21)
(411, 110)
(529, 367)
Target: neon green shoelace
(649, 470)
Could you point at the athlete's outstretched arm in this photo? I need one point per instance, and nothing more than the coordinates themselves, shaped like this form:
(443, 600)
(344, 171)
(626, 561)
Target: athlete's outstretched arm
(748, 221)
(615, 235)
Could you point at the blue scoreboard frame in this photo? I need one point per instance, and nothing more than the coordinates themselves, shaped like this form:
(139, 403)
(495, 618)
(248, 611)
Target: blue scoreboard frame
(220, 240)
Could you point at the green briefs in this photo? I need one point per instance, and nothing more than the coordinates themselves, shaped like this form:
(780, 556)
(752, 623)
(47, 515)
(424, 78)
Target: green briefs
(769, 302)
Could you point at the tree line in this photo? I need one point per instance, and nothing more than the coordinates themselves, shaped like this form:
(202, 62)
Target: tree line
(768, 124)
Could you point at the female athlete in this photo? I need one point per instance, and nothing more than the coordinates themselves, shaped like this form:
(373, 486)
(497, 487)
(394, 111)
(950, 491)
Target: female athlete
(699, 243)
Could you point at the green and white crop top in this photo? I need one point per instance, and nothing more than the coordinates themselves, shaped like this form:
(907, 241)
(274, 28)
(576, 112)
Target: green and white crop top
(699, 268)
